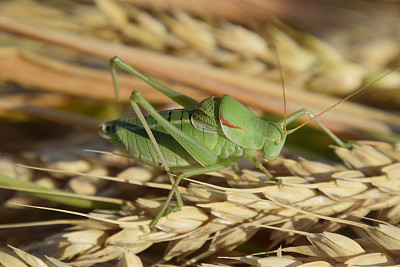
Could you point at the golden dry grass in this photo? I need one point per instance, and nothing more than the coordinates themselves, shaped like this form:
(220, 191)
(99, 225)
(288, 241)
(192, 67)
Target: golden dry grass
(322, 203)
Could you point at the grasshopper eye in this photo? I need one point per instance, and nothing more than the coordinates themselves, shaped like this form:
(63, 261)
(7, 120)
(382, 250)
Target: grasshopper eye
(106, 129)
(277, 142)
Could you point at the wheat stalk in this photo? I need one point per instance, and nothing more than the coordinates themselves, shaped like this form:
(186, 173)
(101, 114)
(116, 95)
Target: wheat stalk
(318, 200)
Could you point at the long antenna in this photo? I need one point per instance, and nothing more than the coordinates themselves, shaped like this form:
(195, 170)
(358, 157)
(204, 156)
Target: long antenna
(274, 51)
(272, 47)
(344, 99)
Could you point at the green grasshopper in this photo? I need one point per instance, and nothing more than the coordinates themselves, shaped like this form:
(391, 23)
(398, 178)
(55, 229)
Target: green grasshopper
(202, 137)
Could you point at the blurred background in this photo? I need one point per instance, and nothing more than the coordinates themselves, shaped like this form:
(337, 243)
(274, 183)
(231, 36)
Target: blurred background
(55, 81)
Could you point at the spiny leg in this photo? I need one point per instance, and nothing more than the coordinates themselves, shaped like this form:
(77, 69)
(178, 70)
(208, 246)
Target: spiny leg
(305, 111)
(278, 181)
(174, 188)
(183, 100)
(237, 169)
(159, 153)
(252, 156)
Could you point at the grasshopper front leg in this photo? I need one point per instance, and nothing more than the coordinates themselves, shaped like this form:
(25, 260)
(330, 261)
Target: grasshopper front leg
(305, 111)
(252, 156)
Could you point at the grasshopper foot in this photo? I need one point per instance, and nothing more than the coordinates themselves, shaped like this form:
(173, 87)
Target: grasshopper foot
(350, 144)
(153, 225)
(156, 219)
(278, 181)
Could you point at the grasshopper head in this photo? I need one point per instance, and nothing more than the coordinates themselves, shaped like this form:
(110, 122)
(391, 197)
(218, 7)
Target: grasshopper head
(109, 131)
(118, 132)
(274, 141)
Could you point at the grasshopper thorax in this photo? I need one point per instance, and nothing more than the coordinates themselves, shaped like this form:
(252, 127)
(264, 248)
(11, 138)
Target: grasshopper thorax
(274, 141)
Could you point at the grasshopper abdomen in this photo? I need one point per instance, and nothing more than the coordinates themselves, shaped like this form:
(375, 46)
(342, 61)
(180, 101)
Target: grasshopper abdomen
(129, 134)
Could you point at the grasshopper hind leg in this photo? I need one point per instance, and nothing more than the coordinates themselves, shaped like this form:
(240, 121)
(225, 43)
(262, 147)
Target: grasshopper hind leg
(164, 210)
(140, 115)
(177, 97)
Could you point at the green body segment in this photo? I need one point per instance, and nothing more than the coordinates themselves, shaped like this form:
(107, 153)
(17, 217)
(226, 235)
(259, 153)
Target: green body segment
(129, 134)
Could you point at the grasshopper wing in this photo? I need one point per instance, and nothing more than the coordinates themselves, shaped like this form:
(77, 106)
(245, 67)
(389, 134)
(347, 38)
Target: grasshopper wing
(206, 115)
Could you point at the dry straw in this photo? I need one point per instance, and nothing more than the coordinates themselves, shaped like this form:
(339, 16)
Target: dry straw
(316, 201)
